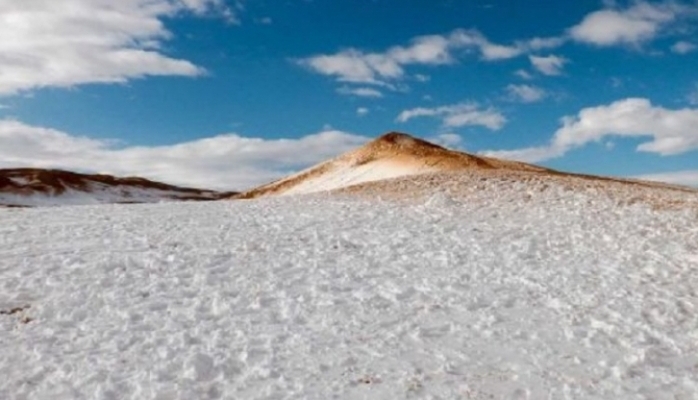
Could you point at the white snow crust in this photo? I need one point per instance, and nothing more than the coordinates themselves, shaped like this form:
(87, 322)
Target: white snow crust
(20, 180)
(97, 193)
(344, 174)
(565, 297)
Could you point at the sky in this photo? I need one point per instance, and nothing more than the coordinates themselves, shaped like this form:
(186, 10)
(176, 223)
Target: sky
(231, 94)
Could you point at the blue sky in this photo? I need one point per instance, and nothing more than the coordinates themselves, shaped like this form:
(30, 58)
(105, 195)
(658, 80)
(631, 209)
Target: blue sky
(231, 94)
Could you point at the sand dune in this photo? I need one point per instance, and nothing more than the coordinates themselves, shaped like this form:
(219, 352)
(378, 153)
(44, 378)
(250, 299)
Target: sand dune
(397, 164)
(392, 155)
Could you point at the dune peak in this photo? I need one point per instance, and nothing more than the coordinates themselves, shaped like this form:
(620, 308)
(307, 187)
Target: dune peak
(392, 155)
(401, 140)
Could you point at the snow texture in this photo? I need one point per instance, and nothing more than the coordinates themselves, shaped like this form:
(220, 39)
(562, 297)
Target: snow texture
(345, 174)
(20, 180)
(96, 194)
(567, 296)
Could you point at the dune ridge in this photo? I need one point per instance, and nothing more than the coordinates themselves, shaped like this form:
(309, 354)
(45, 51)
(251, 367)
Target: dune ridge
(389, 163)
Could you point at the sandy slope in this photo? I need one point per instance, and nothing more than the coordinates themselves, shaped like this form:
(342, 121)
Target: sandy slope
(398, 166)
(467, 185)
(41, 187)
(390, 156)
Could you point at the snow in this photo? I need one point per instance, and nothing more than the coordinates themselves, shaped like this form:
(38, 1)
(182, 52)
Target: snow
(96, 193)
(19, 180)
(567, 296)
(343, 174)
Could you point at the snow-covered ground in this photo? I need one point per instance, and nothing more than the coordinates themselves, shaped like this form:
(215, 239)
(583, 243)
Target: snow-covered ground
(564, 296)
(96, 194)
(30, 187)
(342, 175)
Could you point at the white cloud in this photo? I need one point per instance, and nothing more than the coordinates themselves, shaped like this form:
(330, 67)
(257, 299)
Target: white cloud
(198, 6)
(672, 131)
(550, 65)
(265, 21)
(525, 93)
(432, 49)
(473, 39)
(458, 115)
(687, 177)
(683, 47)
(523, 74)
(71, 42)
(226, 161)
(360, 91)
(449, 140)
(492, 52)
(610, 26)
(544, 43)
(354, 65)
(641, 22)
(361, 111)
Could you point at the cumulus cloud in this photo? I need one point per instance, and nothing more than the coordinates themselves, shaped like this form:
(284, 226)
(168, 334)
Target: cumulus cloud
(230, 161)
(641, 22)
(360, 91)
(361, 111)
(683, 47)
(549, 65)
(458, 115)
(525, 93)
(356, 66)
(71, 42)
(671, 131)
(687, 177)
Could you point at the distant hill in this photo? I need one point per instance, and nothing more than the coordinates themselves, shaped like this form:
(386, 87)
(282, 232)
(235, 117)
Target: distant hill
(30, 187)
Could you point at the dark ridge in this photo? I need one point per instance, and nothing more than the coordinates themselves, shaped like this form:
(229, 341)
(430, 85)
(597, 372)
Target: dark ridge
(404, 140)
(55, 182)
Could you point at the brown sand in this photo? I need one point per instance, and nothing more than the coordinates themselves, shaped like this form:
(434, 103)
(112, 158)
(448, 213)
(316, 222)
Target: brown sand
(52, 182)
(461, 172)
